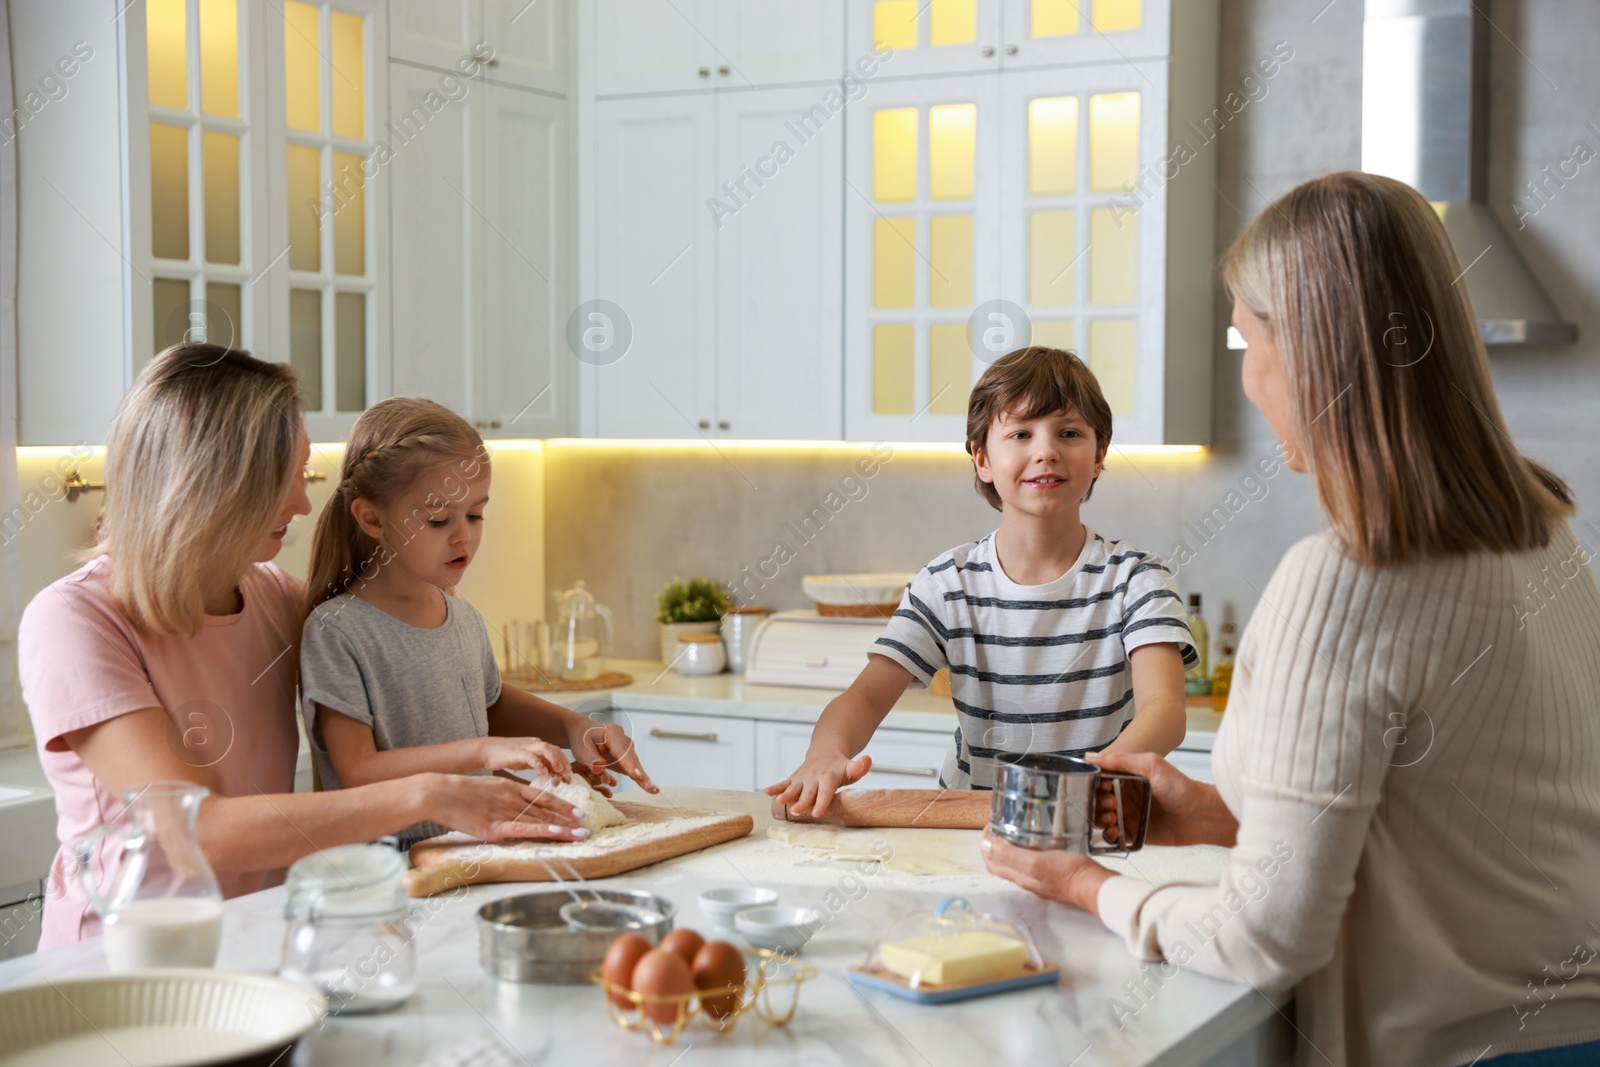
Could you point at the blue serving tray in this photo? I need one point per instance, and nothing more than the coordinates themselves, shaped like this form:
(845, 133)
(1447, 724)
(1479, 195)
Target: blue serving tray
(896, 985)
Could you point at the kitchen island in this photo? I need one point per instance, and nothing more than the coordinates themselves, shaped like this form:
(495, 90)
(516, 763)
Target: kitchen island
(1108, 1008)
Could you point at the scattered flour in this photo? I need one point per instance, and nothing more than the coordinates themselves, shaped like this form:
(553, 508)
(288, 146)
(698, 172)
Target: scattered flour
(458, 846)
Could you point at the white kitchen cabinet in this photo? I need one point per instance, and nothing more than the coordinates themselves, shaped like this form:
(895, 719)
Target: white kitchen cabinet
(708, 240)
(1094, 236)
(529, 41)
(977, 36)
(479, 239)
(778, 315)
(654, 46)
(928, 36)
(203, 178)
(707, 751)
(921, 253)
(902, 759)
(656, 261)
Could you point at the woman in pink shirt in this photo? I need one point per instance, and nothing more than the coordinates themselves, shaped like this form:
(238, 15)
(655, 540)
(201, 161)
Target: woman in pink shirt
(172, 654)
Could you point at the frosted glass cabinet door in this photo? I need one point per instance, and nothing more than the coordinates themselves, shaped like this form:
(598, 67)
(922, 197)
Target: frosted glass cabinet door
(921, 240)
(1042, 33)
(1083, 222)
(778, 253)
(926, 36)
(652, 46)
(430, 179)
(656, 261)
(522, 334)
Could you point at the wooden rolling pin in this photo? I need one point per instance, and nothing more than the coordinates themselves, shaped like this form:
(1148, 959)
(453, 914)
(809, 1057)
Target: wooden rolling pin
(934, 809)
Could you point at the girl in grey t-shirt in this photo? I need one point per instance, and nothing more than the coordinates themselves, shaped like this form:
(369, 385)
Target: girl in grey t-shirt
(397, 673)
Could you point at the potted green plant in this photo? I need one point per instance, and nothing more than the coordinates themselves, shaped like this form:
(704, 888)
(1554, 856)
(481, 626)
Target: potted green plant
(695, 606)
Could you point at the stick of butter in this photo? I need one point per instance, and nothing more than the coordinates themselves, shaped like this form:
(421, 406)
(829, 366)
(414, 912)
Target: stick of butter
(956, 959)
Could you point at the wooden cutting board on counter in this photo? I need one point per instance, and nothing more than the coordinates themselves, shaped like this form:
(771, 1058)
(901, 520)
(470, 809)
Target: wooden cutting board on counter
(653, 833)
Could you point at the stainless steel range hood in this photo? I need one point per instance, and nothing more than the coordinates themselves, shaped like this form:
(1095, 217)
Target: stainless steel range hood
(1425, 121)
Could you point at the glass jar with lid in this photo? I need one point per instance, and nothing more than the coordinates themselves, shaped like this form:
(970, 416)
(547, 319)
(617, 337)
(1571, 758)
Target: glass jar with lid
(349, 928)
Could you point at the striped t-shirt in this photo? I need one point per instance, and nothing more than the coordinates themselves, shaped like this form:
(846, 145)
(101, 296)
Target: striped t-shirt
(1033, 668)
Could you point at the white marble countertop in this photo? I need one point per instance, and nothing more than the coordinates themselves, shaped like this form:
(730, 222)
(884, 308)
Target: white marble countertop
(1181, 1019)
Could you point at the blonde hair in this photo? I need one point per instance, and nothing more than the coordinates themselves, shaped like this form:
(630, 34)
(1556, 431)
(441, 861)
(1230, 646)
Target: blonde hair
(1392, 404)
(393, 444)
(199, 458)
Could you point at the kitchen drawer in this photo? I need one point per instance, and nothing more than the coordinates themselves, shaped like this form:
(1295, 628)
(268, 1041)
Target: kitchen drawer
(903, 759)
(708, 751)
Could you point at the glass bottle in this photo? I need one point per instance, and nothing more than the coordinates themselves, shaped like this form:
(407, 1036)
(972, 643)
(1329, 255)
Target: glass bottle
(1222, 673)
(1197, 680)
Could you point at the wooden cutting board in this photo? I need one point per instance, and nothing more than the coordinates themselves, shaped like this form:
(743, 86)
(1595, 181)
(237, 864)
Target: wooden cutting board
(653, 833)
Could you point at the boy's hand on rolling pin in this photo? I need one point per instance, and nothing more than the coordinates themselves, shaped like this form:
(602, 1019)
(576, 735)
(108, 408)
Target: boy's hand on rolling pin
(598, 747)
(809, 790)
(519, 753)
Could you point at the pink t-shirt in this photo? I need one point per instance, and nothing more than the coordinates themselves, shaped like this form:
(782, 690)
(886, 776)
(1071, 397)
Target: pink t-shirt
(230, 691)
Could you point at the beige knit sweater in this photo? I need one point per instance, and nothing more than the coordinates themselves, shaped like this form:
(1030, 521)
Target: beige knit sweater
(1413, 756)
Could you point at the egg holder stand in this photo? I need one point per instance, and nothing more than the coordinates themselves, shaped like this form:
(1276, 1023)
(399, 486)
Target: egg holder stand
(754, 995)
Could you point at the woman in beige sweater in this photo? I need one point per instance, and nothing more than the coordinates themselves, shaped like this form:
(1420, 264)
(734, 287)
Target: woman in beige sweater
(1408, 771)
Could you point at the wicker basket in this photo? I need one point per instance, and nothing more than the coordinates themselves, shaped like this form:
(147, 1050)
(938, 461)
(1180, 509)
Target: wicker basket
(858, 611)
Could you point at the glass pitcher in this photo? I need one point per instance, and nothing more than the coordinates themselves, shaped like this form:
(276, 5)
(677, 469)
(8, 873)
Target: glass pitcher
(581, 635)
(164, 908)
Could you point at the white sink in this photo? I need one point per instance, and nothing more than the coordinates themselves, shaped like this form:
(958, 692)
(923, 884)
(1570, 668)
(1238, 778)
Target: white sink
(12, 793)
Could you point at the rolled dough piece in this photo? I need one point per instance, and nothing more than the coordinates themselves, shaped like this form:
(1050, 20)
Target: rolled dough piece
(598, 812)
(930, 852)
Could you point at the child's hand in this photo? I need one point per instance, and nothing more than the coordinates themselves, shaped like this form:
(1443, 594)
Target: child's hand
(519, 753)
(598, 747)
(809, 790)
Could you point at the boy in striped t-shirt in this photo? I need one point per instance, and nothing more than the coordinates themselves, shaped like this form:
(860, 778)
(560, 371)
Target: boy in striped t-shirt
(1053, 635)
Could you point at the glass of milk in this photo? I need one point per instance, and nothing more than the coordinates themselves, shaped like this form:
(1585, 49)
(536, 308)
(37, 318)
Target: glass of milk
(161, 907)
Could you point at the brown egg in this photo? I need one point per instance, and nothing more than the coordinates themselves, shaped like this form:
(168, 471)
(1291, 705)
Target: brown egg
(719, 965)
(684, 942)
(662, 973)
(618, 966)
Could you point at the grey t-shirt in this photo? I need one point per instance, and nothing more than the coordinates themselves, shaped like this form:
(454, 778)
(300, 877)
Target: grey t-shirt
(412, 686)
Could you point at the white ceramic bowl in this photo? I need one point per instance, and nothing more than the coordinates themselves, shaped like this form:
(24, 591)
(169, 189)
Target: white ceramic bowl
(778, 929)
(721, 905)
(170, 1017)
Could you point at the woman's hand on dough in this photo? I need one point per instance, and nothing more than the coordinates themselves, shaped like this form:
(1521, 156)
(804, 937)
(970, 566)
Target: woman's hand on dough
(809, 790)
(1054, 874)
(524, 753)
(492, 808)
(597, 748)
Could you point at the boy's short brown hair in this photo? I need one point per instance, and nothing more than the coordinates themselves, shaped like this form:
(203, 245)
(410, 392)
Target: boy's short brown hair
(1031, 383)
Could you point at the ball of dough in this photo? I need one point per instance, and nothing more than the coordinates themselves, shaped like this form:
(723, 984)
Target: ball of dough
(598, 812)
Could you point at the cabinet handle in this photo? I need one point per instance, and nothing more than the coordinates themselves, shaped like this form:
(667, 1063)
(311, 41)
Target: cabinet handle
(988, 50)
(479, 424)
(705, 72)
(723, 425)
(1011, 49)
(678, 735)
(705, 424)
(914, 772)
(482, 62)
(723, 70)
(494, 424)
